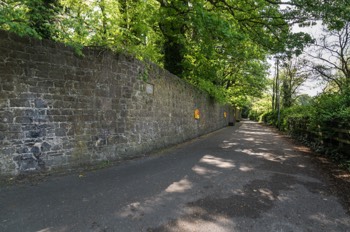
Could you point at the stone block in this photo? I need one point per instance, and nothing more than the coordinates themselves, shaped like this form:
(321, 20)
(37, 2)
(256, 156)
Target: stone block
(24, 120)
(67, 112)
(28, 162)
(15, 128)
(6, 117)
(4, 126)
(2, 135)
(42, 70)
(19, 103)
(35, 150)
(58, 59)
(22, 56)
(45, 147)
(40, 58)
(60, 132)
(34, 134)
(40, 103)
(67, 145)
(53, 112)
(39, 89)
(60, 104)
(8, 86)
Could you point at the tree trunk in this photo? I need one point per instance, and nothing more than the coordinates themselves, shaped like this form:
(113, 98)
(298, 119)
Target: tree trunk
(173, 30)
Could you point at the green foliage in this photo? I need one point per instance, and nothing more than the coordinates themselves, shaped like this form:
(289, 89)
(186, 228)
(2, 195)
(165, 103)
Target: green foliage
(14, 17)
(259, 107)
(41, 15)
(254, 115)
(144, 74)
(332, 110)
(328, 110)
(119, 25)
(292, 76)
(271, 117)
(219, 46)
(333, 13)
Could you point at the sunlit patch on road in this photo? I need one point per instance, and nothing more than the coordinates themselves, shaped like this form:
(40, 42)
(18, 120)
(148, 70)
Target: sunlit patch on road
(246, 168)
(217, 161)
(179, 187)
(268, 155)
(204, 171)
(227, 144)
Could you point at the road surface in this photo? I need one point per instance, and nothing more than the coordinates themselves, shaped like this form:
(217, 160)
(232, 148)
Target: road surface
(242, 178)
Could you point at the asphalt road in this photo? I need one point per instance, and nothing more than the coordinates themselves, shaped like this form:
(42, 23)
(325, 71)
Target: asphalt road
(242, 178)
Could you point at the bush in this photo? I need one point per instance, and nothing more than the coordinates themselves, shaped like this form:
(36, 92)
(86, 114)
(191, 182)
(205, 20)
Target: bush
(332, 110)
(254, 115)
(271, 117)
(326, 110)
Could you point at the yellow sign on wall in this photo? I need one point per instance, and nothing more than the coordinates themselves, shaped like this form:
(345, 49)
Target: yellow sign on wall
(196, 114)
(225, 114)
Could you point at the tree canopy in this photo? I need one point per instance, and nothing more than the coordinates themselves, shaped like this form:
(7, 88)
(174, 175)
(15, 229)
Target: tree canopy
(220, 46)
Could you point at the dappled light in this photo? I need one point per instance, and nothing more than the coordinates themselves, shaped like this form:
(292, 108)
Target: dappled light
(267, 193)
(263, 149)
(211, 212)
(246, 168)
(256, 133)
(217, 161)
(227, 184)
(45, 230)
(324, 219)
(204, 171)
(179, 187)
(302, 149)
(239, 192)
(209, 223)
(282, 198)
(267, 155)
(131, 210)
(139, 209)
(227, 144)
(54, 229)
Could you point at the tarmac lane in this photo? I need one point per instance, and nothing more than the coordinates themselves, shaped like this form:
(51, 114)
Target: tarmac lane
(241, 178)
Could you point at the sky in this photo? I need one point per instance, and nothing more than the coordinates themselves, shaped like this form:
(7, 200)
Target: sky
(310, 87)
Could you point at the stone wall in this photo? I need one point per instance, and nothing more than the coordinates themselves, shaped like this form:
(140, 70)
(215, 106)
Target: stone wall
(61, 110)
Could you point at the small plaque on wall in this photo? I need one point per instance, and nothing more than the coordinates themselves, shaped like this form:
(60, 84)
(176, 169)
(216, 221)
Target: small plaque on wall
(149, 88)
(196, 114)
